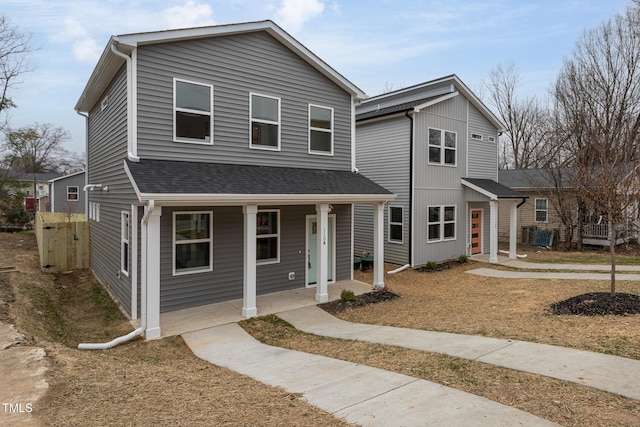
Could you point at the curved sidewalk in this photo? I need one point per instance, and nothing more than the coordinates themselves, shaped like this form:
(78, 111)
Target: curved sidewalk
(601, 371)
(358, 394)
(492, 272)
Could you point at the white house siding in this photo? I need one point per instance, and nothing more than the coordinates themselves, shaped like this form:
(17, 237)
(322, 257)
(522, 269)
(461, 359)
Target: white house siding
(237, 65)
(483, 155)
(106, 150)
(383, 155)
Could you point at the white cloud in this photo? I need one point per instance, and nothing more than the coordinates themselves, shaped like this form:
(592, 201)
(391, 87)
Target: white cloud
(87, 50)
(190, 14)
(292, 14)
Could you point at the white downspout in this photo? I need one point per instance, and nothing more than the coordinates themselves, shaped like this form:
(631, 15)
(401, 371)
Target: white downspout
(143, 292)
(132, 126)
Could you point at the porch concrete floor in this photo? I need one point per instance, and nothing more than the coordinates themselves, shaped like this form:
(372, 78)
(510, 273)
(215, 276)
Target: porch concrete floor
(205, 316)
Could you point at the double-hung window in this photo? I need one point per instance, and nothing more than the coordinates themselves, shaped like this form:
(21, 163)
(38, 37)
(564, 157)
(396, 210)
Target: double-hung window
(124, 242)
(441, 223)
(396, 225)
(265, 122)
(442, 147)
(192, 242)
(320, 130)
(72, 193)
(268, 237)
(193, 112)
(542, 210)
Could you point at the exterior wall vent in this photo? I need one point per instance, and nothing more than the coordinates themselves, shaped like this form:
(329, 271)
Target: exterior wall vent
(491, 139)
(476, 136)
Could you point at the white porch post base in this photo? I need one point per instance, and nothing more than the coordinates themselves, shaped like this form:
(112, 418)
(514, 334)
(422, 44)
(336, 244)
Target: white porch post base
(322, 252)
(513, 229)
(378, 246)
(249, 298)
(493, 231)
(153, 275)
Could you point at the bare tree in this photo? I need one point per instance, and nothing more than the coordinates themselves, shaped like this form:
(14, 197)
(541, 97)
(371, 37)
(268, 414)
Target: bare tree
(14, 61)
(524, 143)
(598, 97)
(37, 148)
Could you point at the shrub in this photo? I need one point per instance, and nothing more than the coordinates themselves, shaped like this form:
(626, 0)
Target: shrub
(463, 259)
(431, 265)
(347, 295)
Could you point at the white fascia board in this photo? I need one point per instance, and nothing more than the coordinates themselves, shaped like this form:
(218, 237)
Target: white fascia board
(417, 108)
(65, 176)
(172, 199)
(474, 187)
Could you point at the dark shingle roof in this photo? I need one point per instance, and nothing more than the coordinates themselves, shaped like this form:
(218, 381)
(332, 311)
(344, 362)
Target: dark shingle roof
(495, 188)
(406, 106)
(167, 177)
(534, 178)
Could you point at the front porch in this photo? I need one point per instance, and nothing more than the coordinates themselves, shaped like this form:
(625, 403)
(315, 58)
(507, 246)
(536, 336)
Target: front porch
(601, 234)
(192, 319)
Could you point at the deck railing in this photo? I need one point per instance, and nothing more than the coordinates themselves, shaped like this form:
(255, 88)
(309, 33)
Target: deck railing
(601, 231)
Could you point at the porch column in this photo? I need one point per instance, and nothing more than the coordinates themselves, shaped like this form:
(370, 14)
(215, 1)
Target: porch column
(249, 308)
(493, 231)
(153, 274)
(322, 252)
(378, 246)
(513, 229)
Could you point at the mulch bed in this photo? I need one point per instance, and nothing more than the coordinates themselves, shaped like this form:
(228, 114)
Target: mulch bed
(599, 304)
(372, 297)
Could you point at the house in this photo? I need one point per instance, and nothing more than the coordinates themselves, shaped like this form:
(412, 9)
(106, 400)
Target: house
(29, 184)
(434, 145)
(221, 165)
(545, 188)
(66, 193)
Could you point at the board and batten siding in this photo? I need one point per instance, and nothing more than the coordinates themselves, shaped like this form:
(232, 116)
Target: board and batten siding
(383, 155)
(483, 155)
(106, 151)
(236, 66)
(225, 282)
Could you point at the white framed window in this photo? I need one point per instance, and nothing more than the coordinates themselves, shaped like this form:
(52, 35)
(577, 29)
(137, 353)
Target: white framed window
(542, 210)
(97, 216)
(192, 242)
(320, 130)
(476, 136)
(491, 138)
(264, 122)
(268, 237)
(396, 224)
(124, 243)
(192, 112)
(442, 147)
(441, 223)
(72, 193)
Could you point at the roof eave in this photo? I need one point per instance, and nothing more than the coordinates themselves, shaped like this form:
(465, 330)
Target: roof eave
(174, 199)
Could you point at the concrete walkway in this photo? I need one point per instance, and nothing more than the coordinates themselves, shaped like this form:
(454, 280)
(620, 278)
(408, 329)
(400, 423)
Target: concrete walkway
(358, 394)
(601, 371)
(491, 272)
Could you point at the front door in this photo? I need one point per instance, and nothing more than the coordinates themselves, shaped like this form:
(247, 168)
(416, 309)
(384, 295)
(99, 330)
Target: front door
(312, 248)
(476, 232)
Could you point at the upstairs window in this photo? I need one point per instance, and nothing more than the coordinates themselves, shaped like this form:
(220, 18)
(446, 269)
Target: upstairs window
(193, 112)
(265, 122)
(542, 210)
(72, 193)
(320, 130)
(442, 147)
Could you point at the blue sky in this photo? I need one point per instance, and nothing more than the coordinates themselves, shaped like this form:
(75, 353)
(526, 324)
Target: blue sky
(377, 44)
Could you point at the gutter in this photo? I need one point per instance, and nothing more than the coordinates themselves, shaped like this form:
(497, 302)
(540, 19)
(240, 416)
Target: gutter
(143, 292)
(132, 148)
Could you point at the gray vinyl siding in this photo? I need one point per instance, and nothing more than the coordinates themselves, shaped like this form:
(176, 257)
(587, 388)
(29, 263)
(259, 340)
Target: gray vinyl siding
(225, 282)
(383, 155)
(483, 155)
(59, 202)
(236, 66)
(106, 150)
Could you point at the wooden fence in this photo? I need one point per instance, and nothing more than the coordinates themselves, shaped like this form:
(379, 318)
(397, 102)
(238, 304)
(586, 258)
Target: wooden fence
(63, 241)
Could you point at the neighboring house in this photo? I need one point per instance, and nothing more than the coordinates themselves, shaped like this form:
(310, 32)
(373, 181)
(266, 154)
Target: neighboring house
(67, 195)
(41, 181)
(539, 212)
(221, 166)
(435, 145)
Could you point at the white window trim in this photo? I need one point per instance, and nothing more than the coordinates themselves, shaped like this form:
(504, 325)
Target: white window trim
(536, 210)
(264, 236)
(251, 120)
(476, 136)
(401, 224)
(330, 131)
(125, 228)
(194, 270)
(77, 193)
(186, 110)
(442, 223)
(443, 148)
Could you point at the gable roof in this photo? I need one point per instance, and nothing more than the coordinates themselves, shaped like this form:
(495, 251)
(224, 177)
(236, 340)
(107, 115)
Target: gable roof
(66, 176)
(110, 62)
(198, 182)
(407, 99)
(29, 176)
(492, 189)
(530, 179)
